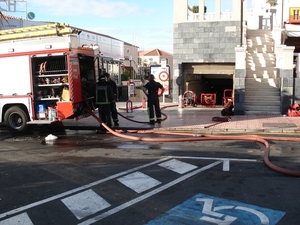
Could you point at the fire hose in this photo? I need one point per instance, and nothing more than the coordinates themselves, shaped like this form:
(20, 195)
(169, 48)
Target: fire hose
(200, 137)
(219, 120)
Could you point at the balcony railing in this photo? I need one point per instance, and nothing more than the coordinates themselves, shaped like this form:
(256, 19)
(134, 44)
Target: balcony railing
(211, 16)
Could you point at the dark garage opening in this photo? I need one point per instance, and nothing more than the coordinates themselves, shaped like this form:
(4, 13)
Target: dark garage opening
(217, 86)
(208, 78)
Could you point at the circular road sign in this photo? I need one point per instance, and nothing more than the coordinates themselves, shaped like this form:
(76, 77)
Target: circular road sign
(30, 15)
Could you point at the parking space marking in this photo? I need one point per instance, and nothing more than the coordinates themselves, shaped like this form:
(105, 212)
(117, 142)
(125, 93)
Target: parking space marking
(85, 204)
(177, 166)
(83, 201)
(226, 165)
(139, 182)
(204, 209)
(147, 195)
(19, 219)
(73, 191)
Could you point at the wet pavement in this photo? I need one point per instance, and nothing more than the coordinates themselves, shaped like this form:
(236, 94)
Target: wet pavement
(195, 119)
(42, 182)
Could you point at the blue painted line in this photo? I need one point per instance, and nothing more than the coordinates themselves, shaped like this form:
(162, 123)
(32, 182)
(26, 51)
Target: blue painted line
(208, 210)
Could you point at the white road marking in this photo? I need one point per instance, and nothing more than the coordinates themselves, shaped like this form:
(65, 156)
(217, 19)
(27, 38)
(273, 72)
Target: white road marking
(226, 221)
(263, 218)
(64, 194)
(212, 158)
(19, 219)
(82, 188)
(226, 165)
(207, 207)
(147, 195)
(178, 166)
(138, 182)
(85, 204)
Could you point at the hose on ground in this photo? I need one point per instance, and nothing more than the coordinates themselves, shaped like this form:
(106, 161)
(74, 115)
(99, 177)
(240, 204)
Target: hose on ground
(143, 122)
(193, 137)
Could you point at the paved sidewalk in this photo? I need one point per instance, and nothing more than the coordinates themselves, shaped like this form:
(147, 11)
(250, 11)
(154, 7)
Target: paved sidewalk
(197, 119)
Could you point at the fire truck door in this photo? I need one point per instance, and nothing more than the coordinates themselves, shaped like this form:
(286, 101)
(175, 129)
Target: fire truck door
(74, 79)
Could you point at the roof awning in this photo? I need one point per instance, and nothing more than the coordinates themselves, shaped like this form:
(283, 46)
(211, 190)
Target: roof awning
(292, 30)
(209, 68)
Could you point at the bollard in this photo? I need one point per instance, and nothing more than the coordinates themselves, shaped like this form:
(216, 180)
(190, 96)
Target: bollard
(143, 102)
(180, 101)
(129, 105)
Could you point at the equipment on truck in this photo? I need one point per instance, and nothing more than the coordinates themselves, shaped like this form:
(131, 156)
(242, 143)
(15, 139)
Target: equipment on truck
(45, 76)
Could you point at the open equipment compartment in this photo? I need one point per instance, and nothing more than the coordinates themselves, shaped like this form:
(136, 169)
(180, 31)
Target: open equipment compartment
(50, 78)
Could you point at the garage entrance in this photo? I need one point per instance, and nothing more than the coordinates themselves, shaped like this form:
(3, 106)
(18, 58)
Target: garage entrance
(211, 78)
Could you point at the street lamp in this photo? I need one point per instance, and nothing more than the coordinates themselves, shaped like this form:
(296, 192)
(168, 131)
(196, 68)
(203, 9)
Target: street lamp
(242, 18)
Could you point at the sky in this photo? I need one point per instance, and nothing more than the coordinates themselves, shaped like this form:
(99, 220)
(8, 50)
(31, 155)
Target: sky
(147, 24)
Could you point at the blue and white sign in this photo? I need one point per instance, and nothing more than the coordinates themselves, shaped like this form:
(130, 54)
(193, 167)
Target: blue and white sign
(207, 210)
(30, 15)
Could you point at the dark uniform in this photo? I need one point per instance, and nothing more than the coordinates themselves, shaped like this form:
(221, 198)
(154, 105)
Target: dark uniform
(153, 101)
(104, 96)
(113, 107)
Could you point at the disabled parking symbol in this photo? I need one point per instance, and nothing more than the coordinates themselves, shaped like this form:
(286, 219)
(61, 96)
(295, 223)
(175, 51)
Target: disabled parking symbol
(208, 210)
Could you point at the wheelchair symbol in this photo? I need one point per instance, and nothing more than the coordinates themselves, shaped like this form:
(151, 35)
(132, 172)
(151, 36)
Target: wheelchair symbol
(214, 217)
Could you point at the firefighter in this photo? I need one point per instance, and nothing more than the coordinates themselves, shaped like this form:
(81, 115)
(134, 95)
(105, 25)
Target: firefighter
(104, 96)
(151, 91)
(113, 107)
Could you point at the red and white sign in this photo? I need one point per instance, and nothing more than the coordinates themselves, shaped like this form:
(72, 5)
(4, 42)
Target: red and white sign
(162, 76)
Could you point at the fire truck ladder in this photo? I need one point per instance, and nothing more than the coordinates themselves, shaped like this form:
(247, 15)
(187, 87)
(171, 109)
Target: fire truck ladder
(56, 29)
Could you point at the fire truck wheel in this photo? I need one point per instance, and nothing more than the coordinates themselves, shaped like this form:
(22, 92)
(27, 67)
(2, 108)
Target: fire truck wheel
(16, 120)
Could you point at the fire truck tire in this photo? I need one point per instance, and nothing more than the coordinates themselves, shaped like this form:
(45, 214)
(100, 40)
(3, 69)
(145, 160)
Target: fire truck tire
(16, 120)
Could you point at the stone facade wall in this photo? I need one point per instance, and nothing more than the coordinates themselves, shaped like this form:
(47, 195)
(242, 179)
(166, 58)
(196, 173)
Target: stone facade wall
(287, 83)
(212, 42)
(239, 91)
(204, 42)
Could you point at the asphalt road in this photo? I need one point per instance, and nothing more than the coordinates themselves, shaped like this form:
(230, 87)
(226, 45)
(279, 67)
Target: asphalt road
(88, 178)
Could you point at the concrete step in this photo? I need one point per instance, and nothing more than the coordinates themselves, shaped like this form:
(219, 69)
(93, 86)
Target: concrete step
(265, 75)
(261, 90)
(260, 49)
(263, 95)
(257, 43)
(254, 65)
(253, 34)
(268, 55)
(259, 31)
(255, 100)
(262, 105)
(262, 82)
(274, 107)
(262, 100)
(259, 40)
(261, 112)
(261, 61)
(261, 70)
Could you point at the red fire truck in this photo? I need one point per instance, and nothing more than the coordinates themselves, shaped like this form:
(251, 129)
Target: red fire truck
(45, 76)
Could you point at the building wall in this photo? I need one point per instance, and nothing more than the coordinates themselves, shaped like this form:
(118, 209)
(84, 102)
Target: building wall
(203, 42)
(206, 39)
(212, 42)
(131, 58)
(156, 60)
